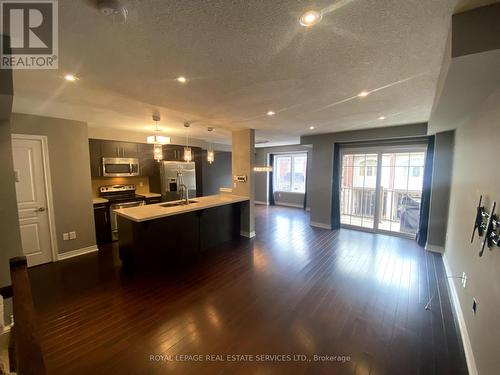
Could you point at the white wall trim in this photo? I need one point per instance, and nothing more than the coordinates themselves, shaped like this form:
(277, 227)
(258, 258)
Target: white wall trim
(276, 203)
(247, 234)
(78, 252)
(469, 354)
(320, 225)
(48, 188)
(434, 248)
(260, 202)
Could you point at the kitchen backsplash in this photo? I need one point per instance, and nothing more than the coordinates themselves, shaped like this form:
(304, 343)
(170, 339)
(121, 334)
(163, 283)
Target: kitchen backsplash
(141, 183)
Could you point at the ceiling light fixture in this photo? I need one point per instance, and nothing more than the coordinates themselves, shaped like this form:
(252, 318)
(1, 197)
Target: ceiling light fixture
(157, 140)
(271, 113)
(381, 118)
(188, 154)
(363, 94)
(310, 18)
(182, 79)
(210, 151)
(70, 77)
(311, 127)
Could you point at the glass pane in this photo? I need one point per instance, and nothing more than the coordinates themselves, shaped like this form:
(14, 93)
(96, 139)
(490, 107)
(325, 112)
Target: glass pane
(299, 173)
(283, 173)
(401, 190)
(417, 159)
(358, 194)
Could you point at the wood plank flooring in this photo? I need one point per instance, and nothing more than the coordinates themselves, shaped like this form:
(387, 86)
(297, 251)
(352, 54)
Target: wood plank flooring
(293, 290)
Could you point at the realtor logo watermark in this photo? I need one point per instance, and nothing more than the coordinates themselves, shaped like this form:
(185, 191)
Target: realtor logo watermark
(32, 27)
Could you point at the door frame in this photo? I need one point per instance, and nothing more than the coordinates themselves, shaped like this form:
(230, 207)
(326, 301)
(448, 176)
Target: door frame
(379, 150)
(48, 188)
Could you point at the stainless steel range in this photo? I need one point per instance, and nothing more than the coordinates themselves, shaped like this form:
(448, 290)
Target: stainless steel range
(120, 196)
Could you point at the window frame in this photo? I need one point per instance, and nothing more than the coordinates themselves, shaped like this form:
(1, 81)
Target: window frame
(292, 157)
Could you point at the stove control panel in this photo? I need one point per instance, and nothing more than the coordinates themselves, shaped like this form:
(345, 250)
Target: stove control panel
(116, 188)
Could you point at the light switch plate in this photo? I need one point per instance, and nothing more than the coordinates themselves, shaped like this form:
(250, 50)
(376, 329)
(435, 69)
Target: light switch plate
(72, 235)
(65, 236)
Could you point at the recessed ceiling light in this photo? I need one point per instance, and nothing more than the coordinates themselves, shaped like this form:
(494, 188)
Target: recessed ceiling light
(311, 127)
(381, 118)
(70, 77)
(310, 18)
(271, 113)
(182, 79)
(363, 94)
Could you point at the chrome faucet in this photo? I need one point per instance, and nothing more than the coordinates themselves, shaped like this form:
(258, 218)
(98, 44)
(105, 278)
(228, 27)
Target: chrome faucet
(183, 188)
(185, 193)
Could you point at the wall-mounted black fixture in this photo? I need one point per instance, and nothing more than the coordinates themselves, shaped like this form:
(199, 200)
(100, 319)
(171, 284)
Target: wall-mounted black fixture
(487, 224)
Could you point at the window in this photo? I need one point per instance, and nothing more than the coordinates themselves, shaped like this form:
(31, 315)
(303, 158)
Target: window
(290, 173)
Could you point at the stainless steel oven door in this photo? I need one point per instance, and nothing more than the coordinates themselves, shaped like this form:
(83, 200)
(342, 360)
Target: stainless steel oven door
(113, 215)
(120, 167)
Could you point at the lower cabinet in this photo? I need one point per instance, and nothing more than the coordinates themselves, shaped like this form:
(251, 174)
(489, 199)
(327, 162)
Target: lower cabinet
(102, 224)
(153, 200)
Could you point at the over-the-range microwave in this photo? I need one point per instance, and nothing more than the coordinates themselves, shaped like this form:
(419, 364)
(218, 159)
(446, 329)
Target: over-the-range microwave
(120, 167)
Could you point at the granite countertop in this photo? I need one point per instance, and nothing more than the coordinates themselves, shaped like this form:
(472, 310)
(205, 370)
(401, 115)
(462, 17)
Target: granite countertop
(99, 200)
(156, 211)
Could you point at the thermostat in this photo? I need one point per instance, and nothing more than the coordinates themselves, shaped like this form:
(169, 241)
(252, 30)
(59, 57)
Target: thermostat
(240, 179)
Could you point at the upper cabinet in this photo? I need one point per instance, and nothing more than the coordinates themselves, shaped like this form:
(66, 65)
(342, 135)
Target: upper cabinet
(95, 157)
(111, 149)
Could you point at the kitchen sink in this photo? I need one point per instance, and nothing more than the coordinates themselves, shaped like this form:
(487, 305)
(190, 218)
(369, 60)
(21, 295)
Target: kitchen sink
(178, 203)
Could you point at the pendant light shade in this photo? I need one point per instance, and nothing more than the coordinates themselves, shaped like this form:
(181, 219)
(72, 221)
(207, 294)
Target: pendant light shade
(158, 139)
(157, 152)
(210, 156)
(188, 155)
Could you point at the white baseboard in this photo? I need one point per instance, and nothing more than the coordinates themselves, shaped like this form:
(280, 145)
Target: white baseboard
(434, 248)
(260, 202)
(247, 234)
(77, 252)
(320, 225)
(288, 204)
(469, 355)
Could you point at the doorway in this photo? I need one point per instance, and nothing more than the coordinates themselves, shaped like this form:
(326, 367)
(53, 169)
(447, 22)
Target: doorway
(381, 188)
(34, 198)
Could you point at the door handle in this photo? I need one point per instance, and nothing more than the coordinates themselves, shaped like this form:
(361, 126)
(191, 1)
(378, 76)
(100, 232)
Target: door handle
(40, 209)
(130, 168)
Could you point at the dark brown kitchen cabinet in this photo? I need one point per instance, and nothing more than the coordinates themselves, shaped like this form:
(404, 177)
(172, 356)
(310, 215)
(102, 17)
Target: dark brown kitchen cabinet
(173, 153)
(111, 149)
(102, 223)
(95, 158)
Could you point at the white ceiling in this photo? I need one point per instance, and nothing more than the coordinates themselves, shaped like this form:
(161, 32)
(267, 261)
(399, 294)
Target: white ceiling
(243, 58)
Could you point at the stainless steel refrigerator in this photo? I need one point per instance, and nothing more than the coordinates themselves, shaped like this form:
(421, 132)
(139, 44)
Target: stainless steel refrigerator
(171, 172)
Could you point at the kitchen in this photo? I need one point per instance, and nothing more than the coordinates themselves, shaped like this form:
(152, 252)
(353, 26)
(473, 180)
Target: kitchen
(126, 175)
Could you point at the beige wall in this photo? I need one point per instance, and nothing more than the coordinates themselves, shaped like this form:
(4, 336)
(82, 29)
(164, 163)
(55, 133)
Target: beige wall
(475, 172)
(243, 160)
(70, 175)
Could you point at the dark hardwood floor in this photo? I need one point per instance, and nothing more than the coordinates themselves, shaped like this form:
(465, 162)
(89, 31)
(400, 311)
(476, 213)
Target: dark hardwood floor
(294, 289)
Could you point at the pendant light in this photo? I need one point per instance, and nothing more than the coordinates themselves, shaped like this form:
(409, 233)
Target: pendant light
(210, 151)
(157, 139)
(188, 155)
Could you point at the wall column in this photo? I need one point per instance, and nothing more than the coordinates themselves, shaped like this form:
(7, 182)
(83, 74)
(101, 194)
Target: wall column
(243, 160)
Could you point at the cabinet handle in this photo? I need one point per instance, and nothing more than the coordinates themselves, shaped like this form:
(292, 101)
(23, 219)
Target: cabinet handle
(105, 216)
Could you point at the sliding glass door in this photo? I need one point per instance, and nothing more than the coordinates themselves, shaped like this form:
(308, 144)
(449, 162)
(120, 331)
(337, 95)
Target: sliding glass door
(381, 188)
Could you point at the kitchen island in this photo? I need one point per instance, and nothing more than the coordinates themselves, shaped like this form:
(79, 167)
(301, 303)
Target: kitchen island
(170, 232)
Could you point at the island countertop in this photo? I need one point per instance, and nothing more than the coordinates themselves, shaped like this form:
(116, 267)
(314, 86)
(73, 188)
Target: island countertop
(156, 211)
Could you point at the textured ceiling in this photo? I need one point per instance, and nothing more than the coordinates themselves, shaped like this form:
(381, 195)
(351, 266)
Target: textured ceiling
(243, 58)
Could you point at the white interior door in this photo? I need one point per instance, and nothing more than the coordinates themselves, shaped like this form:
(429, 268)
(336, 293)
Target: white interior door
(31, 192)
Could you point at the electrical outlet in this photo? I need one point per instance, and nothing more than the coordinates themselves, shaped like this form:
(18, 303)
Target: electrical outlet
(474, 306)
(72, 235)
(65, 236)
(464, 280)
